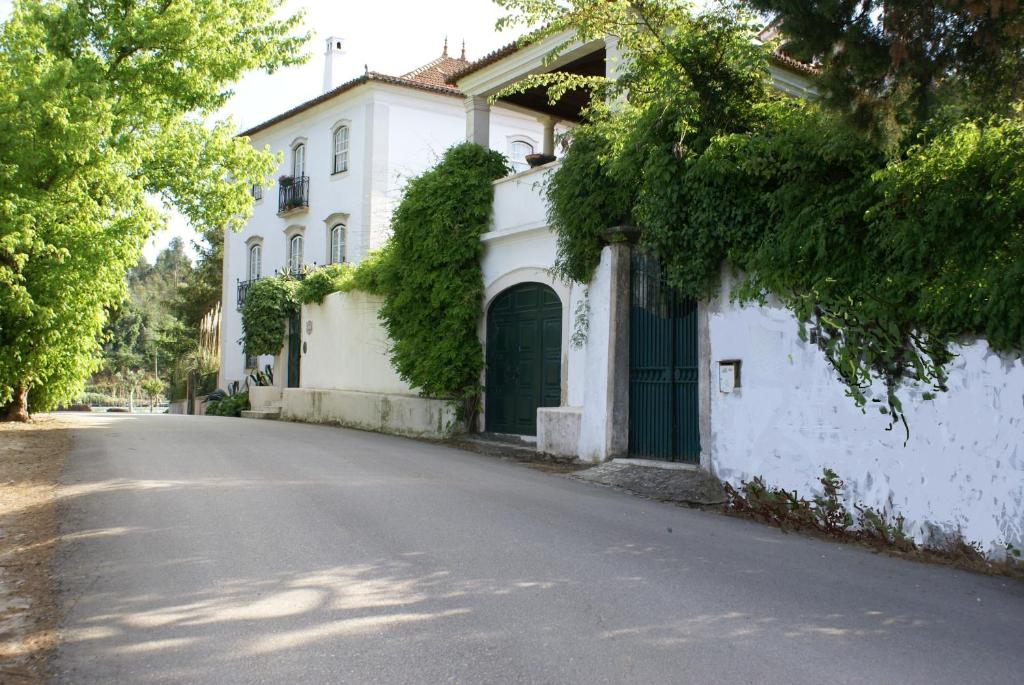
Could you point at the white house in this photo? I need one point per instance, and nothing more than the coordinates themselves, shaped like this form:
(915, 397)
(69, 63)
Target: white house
(345, 156)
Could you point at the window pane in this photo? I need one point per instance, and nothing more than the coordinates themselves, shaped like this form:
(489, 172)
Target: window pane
(295, 254)
(518, 151)
(255, 257)
(341, 149)
(338, 244)
(299, 161)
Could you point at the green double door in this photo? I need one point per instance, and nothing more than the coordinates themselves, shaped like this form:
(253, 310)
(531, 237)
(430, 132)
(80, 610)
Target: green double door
(524, 358)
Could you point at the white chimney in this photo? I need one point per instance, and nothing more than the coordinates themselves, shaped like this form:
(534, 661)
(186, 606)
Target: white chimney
(332, 62)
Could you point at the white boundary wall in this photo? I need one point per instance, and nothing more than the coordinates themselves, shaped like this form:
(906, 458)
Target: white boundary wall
(961, 470)
(346, 376)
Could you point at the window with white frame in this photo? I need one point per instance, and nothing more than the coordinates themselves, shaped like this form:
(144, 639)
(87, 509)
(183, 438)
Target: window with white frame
(338, 243)
(340, 163)
(518, 149)
(299, 161)
(255, 262)
(295, 254)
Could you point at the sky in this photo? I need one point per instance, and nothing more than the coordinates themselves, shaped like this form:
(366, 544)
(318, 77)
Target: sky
(390, 36)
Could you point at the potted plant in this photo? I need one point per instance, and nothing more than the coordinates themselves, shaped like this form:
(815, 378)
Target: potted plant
(286, 181)
(539, 159)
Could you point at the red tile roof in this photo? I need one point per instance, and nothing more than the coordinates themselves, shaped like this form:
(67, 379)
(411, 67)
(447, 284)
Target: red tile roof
(436, 73)
(430, 77)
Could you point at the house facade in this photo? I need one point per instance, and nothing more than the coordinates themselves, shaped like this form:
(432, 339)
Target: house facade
(345, 156)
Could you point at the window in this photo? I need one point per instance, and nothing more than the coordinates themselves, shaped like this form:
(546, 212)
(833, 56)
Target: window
(338, 244)
(255, 262)
(295, 254)
(517, 154)
(299, 161)
(251, 361)
(257, 191)
(340, 150)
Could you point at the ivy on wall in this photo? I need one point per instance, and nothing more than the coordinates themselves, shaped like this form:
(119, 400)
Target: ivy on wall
(431, 279)
(886, 259)
(268, 304)
(334, 278)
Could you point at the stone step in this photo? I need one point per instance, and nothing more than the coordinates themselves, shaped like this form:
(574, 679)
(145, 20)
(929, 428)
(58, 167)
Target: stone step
(268, 414)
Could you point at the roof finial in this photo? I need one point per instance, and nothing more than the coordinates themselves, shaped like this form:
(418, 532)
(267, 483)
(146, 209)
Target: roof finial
(463, 57)
(445, 52)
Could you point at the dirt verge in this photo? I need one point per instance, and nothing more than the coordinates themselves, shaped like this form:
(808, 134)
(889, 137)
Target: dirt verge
(31, 460)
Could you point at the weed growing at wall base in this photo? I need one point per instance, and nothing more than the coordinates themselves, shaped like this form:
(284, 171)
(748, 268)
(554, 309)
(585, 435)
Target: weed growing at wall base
(827, 514)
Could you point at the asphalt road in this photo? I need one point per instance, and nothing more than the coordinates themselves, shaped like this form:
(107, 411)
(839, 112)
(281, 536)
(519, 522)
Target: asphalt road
(210, 550)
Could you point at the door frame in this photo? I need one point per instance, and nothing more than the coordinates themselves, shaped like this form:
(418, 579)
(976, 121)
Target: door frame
(523, 274)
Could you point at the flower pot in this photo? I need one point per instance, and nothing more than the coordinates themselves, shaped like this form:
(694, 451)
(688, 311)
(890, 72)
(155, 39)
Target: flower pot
(538, 159)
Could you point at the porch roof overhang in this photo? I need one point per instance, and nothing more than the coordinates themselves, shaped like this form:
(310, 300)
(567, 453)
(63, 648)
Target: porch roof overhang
(512, 64)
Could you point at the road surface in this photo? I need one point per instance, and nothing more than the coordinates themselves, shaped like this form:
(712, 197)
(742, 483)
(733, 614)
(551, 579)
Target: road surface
(213, 550)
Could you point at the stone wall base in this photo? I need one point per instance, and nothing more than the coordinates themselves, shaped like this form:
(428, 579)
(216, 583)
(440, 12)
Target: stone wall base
(398, 414)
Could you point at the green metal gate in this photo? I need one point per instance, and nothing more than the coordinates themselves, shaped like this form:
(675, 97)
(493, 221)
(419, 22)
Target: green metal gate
(294, 349)
(524, 358)
(663, 388)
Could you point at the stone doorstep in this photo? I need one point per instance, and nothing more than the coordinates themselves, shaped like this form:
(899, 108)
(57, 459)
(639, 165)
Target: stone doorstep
(693, 487)
(268, 414)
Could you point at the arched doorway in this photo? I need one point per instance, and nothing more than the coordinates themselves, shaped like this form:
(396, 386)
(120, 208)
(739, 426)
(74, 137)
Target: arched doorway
(524, 358)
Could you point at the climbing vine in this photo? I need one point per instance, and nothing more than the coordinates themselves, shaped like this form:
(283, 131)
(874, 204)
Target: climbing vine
(334, 278)
(886, 258)
(430, 275)
(268, 304)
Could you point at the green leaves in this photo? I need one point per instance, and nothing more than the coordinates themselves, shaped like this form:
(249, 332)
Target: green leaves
(430, 274)
(101, 101)
(268, 304)
(885, 262)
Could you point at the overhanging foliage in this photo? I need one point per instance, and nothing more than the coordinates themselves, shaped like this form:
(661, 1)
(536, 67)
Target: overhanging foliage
(886, 260)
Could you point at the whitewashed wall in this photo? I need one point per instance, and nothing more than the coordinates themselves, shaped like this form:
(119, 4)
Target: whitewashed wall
(961, 470)
(346, 347)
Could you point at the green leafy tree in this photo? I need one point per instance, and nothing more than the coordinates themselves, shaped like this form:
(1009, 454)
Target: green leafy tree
(893, 66)
(102, 102)
(154, 389)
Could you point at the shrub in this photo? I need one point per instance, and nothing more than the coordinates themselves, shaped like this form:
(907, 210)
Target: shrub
(232, 405)
(268, 304)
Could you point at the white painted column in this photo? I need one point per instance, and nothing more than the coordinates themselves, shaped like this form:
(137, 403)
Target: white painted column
(478, 120)
(549, 134)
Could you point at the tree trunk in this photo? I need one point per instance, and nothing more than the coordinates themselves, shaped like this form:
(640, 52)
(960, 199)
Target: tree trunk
(17, 409)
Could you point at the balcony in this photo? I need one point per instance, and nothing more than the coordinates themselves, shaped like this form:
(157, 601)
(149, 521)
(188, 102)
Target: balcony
(293, 194)
(243, 290)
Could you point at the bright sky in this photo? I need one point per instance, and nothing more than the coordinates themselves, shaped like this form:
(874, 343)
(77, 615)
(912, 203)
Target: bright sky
(391, 36)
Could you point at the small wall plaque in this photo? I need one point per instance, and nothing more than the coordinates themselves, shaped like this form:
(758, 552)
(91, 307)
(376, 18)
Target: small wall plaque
(309, 327)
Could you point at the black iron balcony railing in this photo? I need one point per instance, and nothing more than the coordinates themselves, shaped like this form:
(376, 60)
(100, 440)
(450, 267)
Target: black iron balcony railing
(292, 193)
(243, 290)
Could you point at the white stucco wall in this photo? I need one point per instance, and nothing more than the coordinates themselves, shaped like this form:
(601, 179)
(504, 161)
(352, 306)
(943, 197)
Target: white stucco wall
(347, 348)
(961, 470)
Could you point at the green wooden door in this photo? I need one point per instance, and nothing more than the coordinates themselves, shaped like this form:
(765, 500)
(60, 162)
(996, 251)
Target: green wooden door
(663, 360)
(294, 349)
(524, 358)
